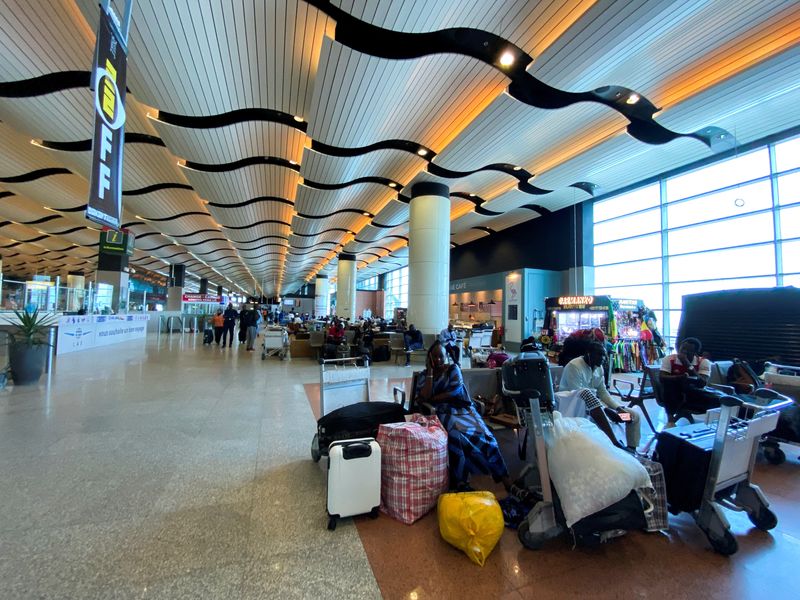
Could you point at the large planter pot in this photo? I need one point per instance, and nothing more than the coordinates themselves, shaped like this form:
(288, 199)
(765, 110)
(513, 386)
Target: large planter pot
(27, 362)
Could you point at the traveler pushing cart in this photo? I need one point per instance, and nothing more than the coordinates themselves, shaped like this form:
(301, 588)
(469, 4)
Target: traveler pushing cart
(276, 342)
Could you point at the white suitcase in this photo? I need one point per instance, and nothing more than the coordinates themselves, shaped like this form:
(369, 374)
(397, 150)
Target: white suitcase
(354, 479)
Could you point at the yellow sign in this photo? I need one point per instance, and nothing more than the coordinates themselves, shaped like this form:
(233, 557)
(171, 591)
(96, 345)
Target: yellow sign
(573, 300)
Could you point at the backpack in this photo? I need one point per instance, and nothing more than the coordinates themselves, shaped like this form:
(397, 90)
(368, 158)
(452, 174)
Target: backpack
(742, 377)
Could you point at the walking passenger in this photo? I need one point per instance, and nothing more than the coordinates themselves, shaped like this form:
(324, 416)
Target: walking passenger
(229, 324)
(218, 323)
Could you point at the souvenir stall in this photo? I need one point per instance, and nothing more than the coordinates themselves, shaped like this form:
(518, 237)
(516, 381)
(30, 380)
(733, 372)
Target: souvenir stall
(628, 340)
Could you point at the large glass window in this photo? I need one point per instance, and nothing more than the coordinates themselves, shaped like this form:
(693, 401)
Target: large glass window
(713, 228)
(396, 295)
(370, 283)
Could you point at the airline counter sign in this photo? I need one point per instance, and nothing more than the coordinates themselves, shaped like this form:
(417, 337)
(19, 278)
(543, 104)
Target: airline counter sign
(105, 191)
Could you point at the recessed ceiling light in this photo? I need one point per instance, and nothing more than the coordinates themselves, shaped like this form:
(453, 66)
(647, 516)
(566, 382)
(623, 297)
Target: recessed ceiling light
(422, 152)
(472, 195)
(366, 214)
(507, 59)
(632, 99)
(292, 162)
(392, 184)
(299, 119)
(518, 168)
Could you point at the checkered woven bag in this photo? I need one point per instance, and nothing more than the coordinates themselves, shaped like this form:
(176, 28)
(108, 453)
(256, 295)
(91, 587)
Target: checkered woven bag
(656, 497)
(413, 467)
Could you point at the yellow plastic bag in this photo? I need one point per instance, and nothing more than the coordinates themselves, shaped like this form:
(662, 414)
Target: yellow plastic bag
(472, 522)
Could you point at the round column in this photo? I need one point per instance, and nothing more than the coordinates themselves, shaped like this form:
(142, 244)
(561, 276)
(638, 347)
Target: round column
(346, 287)
(429, 256)
(322, 296)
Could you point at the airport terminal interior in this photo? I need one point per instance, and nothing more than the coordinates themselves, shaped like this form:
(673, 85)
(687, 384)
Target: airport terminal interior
(223, 221)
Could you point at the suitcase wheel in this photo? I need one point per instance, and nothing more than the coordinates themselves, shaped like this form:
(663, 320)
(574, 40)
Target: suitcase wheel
(527, 539)
(331, 523)
(373, 514)
(775, 456)
(763, 518)
(315, 452)
(725, 545)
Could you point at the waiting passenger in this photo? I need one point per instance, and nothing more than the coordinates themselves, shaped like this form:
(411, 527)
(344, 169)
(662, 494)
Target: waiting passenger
(335, 333)
(683, 378)
(472, 448)
(413, 341)
(585, 373)
(449, 339)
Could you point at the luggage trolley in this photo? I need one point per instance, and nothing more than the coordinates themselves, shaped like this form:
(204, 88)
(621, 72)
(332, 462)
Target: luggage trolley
(535, 412)
(276, 342)
(350, 382)
(733, 443)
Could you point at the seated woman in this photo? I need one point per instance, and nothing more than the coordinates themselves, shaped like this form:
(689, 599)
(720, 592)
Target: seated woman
(472, 447)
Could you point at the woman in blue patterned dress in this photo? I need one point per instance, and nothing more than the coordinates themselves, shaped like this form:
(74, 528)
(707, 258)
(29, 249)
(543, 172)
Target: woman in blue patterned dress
(472, 447)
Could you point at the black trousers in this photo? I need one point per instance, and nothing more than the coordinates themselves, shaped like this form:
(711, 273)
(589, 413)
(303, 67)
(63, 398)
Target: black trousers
(680, 395)
(218, 334)
(227, 334)
(454, 352)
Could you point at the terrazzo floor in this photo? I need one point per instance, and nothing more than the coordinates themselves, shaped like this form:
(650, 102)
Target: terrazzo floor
(167, 469)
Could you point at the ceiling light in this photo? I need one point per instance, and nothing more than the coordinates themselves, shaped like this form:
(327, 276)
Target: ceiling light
(472, 195)
(292, 162)
(366, 214)
(392, 184)
(298, 119)
(507, 59)
(632, 99)
(422, 152)
(518, 168)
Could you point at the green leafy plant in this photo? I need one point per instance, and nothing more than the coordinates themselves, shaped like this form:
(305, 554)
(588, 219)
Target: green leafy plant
(31, 327)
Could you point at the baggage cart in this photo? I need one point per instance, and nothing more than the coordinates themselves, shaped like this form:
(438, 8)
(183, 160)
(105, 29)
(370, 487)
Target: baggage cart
(732, 443)
(276, 343)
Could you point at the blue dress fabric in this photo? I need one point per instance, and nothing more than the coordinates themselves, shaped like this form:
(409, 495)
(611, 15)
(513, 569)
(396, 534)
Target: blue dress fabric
(472, 448)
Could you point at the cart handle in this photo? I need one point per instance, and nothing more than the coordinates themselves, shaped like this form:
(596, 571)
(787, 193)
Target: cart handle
(731, 401)
(776, 406)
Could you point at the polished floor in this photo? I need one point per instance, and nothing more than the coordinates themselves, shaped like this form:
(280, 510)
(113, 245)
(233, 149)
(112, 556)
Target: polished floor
(167, 469)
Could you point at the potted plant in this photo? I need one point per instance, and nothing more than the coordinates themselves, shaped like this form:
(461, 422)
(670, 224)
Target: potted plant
(28, 347)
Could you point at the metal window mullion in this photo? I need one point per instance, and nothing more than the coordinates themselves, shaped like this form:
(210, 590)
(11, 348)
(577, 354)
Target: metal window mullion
(662, 187)
(776, 217)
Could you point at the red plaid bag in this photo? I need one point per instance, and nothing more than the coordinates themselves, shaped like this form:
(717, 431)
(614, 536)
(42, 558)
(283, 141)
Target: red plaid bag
(413, 467)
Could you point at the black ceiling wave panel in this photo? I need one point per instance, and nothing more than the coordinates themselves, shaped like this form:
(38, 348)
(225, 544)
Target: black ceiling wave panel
(193, 213)
(394, 144)
(514, 171)
(231, 118)
(488, 230)
(252, 201)
(34, 175)
(488, 48)
(325, 250)
(186, 235)
(356, 211)
(256, 224)
(154, 248)
(4, 194)
(537, 208)
(387, 237)
(328, 243)
(86, 145)
(241, 164)
(345, 184)
(310, 235)
(45, 84)
(42, 220)
(157, 187)
(132, 224)
(212, 252)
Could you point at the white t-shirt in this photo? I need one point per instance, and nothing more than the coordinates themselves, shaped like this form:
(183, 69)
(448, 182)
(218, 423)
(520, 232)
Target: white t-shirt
(578, 375)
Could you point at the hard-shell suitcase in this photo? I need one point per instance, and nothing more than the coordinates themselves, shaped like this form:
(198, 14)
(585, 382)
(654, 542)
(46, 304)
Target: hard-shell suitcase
(354, 479)
(685, 454)
(359, 420)
(208, 336)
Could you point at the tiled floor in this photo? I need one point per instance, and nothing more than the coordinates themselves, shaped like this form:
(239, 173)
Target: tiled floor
(173, 470)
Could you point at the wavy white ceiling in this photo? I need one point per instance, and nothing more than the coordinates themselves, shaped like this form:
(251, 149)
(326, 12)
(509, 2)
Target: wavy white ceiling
(222, 178)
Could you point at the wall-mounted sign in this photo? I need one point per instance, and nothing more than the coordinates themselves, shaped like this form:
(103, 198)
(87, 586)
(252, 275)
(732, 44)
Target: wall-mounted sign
(108, 81)
(206, 298)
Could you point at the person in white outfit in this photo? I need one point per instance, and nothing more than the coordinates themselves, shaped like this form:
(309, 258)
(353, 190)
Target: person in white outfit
(585, 373)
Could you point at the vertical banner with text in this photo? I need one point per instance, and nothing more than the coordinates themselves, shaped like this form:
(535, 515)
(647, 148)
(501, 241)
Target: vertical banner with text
(105, 186)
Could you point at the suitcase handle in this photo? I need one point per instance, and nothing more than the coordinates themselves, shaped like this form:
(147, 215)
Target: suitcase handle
(353, 450)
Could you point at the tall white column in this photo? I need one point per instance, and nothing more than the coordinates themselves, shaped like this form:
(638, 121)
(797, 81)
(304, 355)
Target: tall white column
(429, 257)
(322, 296)
(346, 287)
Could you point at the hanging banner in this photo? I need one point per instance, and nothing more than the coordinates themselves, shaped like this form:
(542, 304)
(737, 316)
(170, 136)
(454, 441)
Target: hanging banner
(108, 78)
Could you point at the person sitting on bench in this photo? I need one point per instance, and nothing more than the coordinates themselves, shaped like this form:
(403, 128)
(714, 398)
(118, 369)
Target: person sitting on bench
(413, 341)
(683, 378)
(471, 446)
(585, 373)
(449, 339)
